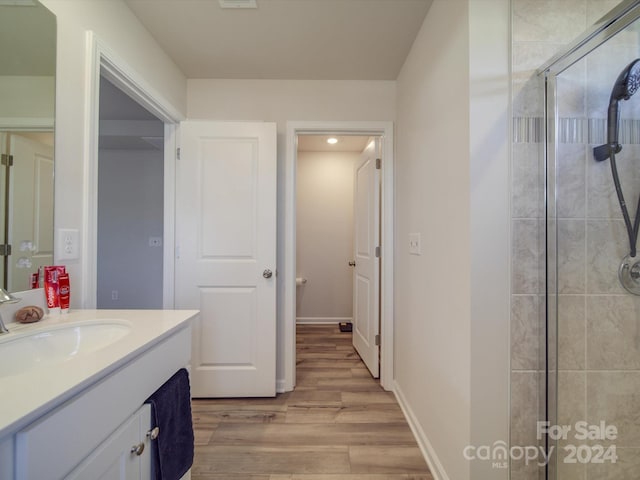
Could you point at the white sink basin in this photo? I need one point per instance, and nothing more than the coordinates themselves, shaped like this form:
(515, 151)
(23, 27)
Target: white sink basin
(23, 351)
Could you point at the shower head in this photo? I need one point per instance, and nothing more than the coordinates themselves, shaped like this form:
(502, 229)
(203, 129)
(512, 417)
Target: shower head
(626, 85)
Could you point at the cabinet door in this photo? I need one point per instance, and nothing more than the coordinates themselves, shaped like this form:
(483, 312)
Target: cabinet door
(117, 457)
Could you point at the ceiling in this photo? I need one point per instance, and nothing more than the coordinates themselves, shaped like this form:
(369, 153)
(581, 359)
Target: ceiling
(285, 39)
(125, 124)
(117, 105)
(281, 39)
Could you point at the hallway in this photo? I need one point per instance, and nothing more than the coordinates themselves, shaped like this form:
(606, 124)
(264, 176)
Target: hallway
(338, 424)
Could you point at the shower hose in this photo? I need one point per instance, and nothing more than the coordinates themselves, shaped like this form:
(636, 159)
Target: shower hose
(632, 230)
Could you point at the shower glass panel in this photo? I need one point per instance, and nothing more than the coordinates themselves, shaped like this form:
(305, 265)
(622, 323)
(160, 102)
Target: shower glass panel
(593, 337)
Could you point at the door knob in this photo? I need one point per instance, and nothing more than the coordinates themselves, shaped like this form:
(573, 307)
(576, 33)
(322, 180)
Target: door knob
(138, 449)
(352, 263)
(267, 273)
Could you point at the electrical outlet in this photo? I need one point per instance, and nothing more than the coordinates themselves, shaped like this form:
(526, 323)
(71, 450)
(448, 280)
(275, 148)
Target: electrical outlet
(68, 244)
(155, 241)
(114, 294)
(414, 244)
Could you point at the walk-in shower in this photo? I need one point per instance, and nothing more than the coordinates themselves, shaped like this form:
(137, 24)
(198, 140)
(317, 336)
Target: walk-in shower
(589, 418)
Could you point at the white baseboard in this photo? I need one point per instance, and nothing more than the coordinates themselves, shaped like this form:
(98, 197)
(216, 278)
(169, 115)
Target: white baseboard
(429, 454)
(322, 320)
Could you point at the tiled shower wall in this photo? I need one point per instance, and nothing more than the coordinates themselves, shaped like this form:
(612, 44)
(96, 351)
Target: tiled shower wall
(598, 328)
(541, 28)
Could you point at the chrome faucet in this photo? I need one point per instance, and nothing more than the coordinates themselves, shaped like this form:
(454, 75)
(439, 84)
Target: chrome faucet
(6, 297)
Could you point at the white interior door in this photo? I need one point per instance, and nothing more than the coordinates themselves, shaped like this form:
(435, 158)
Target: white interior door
(30, 209)
(226, 255)
(366, 281)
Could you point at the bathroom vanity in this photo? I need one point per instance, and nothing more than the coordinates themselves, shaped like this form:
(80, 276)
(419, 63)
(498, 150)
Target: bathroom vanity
(73, 387)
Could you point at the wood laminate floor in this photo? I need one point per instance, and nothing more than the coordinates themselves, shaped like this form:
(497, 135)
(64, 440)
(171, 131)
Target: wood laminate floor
(338, 424)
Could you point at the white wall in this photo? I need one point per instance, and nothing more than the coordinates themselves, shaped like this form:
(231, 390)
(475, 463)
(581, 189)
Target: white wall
(451, 302)
(324, 235)
(432, 193)
(130, 210)
(118, 28)
(490, 143)
(289, 100)
(284, 100)
(26, 97)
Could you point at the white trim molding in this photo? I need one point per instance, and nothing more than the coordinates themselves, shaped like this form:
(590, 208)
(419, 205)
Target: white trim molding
(385, 131)
(45, 124)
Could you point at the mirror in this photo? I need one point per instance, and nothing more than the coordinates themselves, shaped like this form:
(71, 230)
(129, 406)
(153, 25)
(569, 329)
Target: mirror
(27, 106)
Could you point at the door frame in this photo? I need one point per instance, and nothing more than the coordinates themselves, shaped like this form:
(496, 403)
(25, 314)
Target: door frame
(101, 60)
(287, 287)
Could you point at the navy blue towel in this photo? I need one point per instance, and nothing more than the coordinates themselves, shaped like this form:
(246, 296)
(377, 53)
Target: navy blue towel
(171, 413)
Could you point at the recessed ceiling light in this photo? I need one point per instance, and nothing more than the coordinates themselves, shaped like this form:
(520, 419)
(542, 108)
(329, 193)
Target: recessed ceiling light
(332, 140)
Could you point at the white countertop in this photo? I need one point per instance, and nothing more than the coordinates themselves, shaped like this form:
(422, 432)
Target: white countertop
(24, 397)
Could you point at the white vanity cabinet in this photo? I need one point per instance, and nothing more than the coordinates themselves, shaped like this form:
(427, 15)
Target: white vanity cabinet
(125, 455)
(90, 430)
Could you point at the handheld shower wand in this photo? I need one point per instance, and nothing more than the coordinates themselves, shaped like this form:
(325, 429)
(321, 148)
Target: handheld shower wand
(626, 85)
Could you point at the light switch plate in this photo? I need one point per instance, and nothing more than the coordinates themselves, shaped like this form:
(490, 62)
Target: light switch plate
(68, 244)
(414, 244)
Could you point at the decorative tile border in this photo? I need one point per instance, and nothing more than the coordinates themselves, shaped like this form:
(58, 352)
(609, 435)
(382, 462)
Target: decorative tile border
(591, 131)
(528, 129)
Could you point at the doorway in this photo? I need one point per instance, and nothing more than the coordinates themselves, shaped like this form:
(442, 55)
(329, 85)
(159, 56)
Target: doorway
(130, 203)
(384, 130)
(103, 64)
(337, 231)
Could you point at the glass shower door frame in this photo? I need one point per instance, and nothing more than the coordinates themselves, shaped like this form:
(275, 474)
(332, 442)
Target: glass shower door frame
(549, 347)
(617, 20)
